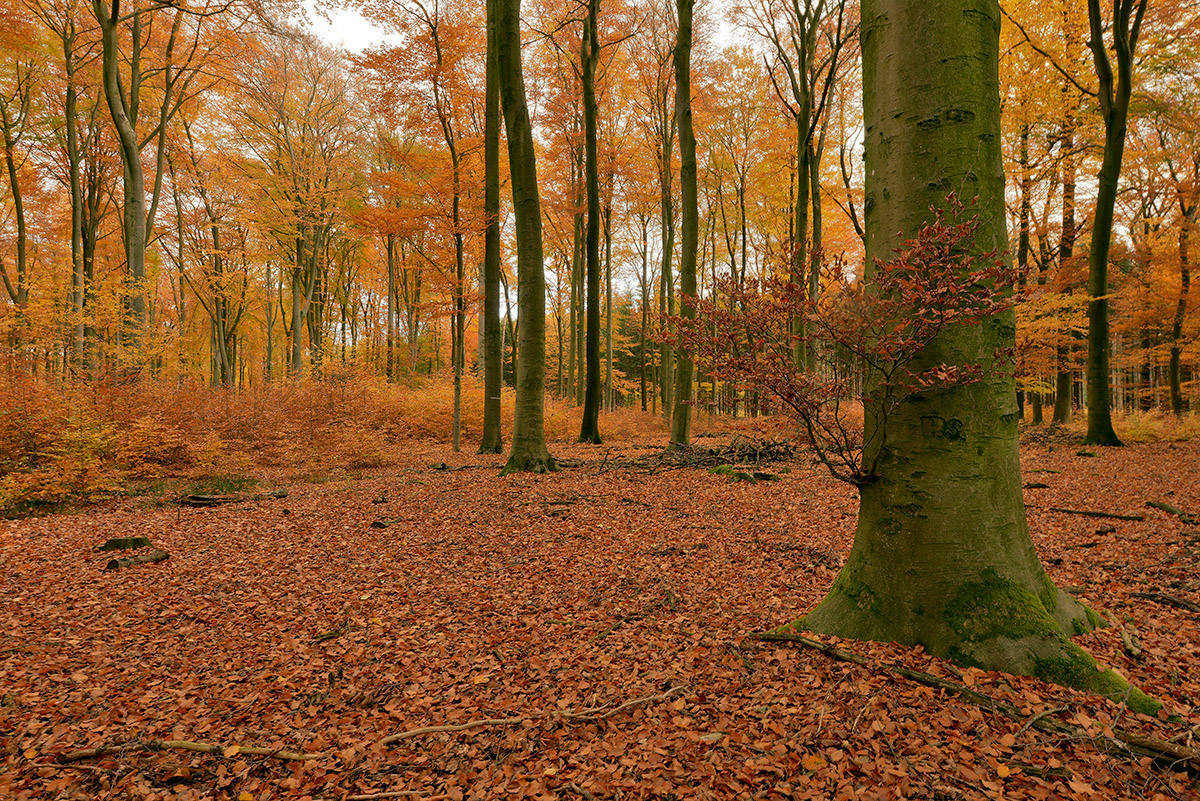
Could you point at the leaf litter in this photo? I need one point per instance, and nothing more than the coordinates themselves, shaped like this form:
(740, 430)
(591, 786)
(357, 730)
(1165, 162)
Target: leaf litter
(597, 621)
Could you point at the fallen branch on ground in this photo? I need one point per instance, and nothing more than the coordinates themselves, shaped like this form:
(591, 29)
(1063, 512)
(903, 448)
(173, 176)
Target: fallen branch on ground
(157, 555)
(1090, 513)
(204, 501)
(1168, 600)
(1121, 742)
(595, 713)
(227, 751)
(1186, 517)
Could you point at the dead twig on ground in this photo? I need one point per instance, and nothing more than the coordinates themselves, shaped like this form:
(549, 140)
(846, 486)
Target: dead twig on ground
(595, 714)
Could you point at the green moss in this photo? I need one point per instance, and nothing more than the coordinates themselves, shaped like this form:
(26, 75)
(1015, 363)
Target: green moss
(221, 484)
(1076, 668)
(860, 593)
(1049, 594)
(998, 607)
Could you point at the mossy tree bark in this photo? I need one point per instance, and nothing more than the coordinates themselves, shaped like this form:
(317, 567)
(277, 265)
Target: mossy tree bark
(942, 556)
(529, 452)
(493, 366)
(681, 419)
(589, 58)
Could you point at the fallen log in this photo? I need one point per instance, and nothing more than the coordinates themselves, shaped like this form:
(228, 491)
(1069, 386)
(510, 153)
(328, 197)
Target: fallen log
(204, 501)
(157, 555)
(1121, 742)
(227, 751)
(1091, 513)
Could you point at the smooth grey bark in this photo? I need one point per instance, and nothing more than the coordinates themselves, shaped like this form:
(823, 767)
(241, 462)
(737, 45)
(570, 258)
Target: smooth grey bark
(942, 555)
(529, 452)
(681, 418)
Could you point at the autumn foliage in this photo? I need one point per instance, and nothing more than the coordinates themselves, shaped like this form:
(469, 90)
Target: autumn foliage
(869, 341)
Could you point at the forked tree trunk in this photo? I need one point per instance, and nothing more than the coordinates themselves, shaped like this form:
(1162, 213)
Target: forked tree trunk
(942, 556)
(529, 452)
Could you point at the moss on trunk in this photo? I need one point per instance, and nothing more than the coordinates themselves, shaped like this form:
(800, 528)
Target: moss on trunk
(942, 555)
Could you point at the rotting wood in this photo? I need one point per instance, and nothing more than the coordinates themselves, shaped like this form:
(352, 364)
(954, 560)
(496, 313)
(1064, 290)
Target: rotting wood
(156, 555)
(205, 501)
(594, 713)
(1121, 742)
(227, 751)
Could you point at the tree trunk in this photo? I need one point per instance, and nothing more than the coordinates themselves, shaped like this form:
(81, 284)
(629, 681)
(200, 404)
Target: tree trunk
(529, 452)
(493, 365)
(681, 420)
(1185, 284)
(942, 555)
(1114, 96)
(589, 430)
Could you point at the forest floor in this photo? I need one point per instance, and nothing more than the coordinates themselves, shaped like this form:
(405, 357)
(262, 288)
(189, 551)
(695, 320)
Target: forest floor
(544, 603)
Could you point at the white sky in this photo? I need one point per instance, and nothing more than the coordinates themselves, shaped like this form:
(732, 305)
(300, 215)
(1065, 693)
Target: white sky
(343, 27)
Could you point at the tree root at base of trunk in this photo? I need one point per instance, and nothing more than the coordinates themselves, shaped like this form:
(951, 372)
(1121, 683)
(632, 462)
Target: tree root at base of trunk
(1121, 742)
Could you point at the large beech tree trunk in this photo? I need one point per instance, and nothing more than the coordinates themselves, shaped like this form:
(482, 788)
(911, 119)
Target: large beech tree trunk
(529, 452)
(942, 555)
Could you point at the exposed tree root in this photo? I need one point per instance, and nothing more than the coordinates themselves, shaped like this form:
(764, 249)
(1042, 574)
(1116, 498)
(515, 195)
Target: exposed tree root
(227, 751)
(1121, 742)
(595, 714)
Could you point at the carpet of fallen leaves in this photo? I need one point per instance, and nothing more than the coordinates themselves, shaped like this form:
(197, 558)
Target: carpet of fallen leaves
(291, 623)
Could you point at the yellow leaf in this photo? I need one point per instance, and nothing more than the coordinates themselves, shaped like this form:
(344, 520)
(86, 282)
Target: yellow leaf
(31, 753)
(244, 796)
(814, 762)
(1004, 771)
(231, 751)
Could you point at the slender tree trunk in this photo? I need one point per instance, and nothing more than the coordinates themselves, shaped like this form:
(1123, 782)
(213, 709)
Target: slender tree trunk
(608, 307)
(1185, 284)
(493, 365)
(942, 556)
(589, 57)
(681, 420)
(1114, 93)
(529, 452)
(1064, 379)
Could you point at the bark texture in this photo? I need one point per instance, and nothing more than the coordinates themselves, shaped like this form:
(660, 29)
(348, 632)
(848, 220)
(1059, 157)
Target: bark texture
(942, 555)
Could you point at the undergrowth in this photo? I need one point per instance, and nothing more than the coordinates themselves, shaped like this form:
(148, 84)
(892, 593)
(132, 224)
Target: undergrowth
(83, 442)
